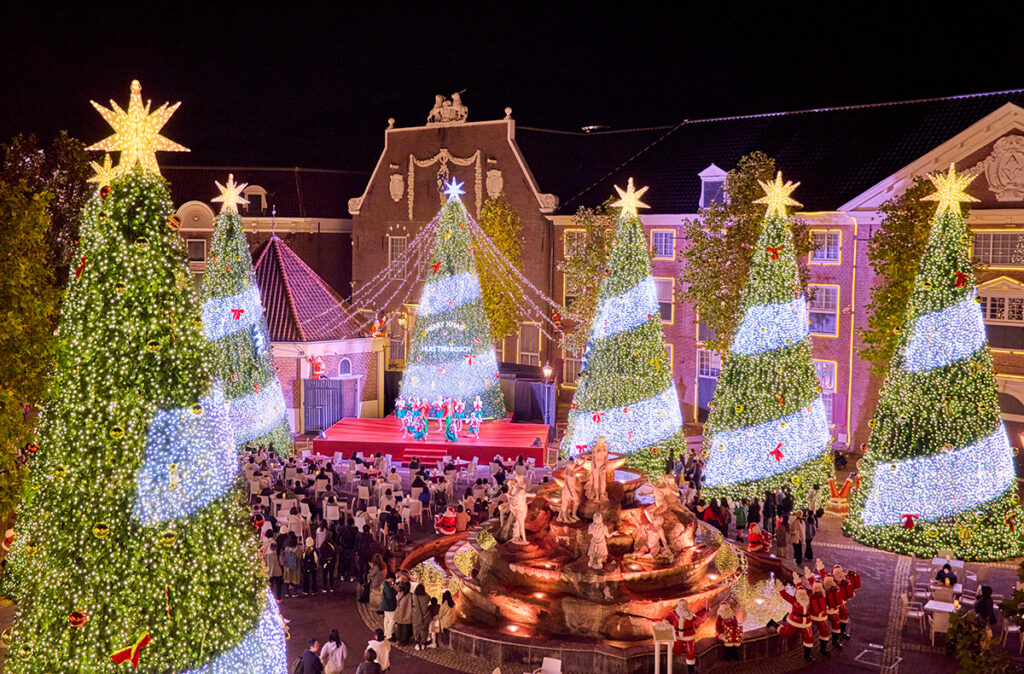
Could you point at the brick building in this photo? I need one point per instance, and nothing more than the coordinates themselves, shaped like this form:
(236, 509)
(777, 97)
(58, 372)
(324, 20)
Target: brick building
(849, 161)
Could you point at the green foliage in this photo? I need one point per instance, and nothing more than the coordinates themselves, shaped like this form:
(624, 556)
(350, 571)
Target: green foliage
(584, 266)
(63, 171)
(445, 335)
(923, 413)
(894, 252)
(243, 368)
(502, 297)
(973, 647)
(130, 343)
(29, 310)
(720, 248)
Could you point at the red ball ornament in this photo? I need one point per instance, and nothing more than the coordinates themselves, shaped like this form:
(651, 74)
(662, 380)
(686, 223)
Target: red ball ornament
(173, 221)
(78, 618)
(33, 448)
(104, 191)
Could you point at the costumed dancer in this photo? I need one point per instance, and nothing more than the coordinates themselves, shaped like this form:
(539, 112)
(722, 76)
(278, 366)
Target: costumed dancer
(460, 414)
(685, 623)
(847, 584)
(476, 418)
(448, 420)
(729, 632)
(438, 413)
(419, 424)
(833, 599)
(798, 620)
(444, 523)
(819, 609)
(758, 540)
(400, 412)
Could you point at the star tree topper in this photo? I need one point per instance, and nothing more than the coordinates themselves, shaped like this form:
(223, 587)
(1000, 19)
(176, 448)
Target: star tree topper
(629, 199)
(453, 189)
(230, 195)
(105, 174)
(776, 195)
(949, 189)
(137, 131)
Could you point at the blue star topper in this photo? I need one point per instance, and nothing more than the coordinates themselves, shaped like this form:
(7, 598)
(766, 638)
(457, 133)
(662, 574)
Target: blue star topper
(453, 188)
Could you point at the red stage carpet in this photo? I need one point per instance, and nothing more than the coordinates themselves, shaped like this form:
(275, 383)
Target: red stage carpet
(370, 436)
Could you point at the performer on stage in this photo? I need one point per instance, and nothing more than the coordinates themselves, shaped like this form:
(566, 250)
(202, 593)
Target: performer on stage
(418, 424)
(476, 419)
(400, 412)
(460, 414)
(847, 584)
(448, 421)
(798, 619)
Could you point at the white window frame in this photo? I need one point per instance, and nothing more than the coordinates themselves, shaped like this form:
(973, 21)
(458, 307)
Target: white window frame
(826, 372)
(817, 256)
(671, 298)
(570, 369)
(712, 175)
(708, 362)
(657, 251)
(396, 341)
(570, 239)
(188, 247)
(818, 295)
(529, 355)
(983, 245)
(400, 273)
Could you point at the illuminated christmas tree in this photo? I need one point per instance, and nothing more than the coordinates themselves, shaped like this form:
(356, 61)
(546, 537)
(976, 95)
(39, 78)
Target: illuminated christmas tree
(133, 542)
(233, 320)
(452, 354)
(625, 391)
(767, 426)
(938, 471)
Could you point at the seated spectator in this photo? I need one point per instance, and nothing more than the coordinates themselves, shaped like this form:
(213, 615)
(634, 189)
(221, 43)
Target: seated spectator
(461, 519)
(946, 575)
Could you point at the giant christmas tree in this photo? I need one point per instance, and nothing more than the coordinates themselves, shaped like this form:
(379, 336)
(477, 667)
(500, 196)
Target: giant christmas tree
(938, 473)
(133, 542)
(452, 354)
(233, 320)
(767, 426)
(625, 391)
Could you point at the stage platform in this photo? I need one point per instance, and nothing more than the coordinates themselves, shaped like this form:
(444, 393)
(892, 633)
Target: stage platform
(370, 436)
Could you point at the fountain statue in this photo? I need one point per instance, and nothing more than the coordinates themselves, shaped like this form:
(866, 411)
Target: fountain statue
(517, 508)
(569, 504)
(599, 533)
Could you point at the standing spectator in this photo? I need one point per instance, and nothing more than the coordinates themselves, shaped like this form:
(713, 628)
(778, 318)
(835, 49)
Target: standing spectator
(725, 511)
(768, 513)
(785, 503)
(814, 500)
(328, 562)
(677, 469)
(810, 529)
(382, 647)
(403, 614)
(310, 660)
(368, 665)
(739, 514)
(420, 617)
(754, 512)
(388, 605)
(310, 568)
(781, 541)
(698, 474)
(290, 562)
(986, 609)
(346, 543)
(275, 572)
(321, 533)
(333, 654)
(796, 536)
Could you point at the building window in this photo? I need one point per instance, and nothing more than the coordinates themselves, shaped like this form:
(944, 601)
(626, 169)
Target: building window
(365, 319)
(196, 250)
(826, 371)
(668, 354)
(824, 310)
(568, 296)
(826, 246)
(529, 344)
(705, 332)
(344, 367)
(197, 282)
(712, 186)
(663, 244)
(1004, 320)
(572, 239)
(709, 367)
(396, 341)
(396, 249)
(257, 197)
(664, 288)
(997, 248)
(570, 369)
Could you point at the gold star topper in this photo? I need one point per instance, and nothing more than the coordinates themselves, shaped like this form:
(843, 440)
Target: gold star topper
(629, 199)
(230, 195)
(105, 174)
(949, 189)
(136, 131)
(776, 195)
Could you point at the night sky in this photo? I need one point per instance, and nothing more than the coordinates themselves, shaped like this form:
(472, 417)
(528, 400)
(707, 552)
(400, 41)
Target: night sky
(315, 88)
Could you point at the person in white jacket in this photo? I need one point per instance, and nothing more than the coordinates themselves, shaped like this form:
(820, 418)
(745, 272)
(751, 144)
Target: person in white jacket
(333, 654)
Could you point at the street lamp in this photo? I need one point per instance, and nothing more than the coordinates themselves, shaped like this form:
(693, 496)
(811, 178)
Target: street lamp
(547, 372)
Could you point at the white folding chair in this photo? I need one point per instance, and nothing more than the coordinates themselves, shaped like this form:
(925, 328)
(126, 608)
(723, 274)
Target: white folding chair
(416, 491)
(416, 510)
(549, 666)
(363, 495)
(939, 624)
(304, 511)
(332, 513)
(911, 609)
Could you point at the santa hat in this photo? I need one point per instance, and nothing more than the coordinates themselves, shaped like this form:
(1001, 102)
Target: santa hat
(683, 609)
(802, 597)
(450, 512)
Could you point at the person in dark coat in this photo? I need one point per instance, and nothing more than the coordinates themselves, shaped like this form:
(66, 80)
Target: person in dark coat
(754, 512)
(785, 504)
(768, 512)
(986, 608)
(946, 575)
(310, 660)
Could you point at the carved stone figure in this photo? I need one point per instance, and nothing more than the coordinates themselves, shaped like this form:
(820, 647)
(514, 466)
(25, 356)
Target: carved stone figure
(495, 183)
(570, 497)
(517, 508)
(1004, 168)
(397, 186)
(666, 494)
(599, 534)
(598, 488)
(448, 111)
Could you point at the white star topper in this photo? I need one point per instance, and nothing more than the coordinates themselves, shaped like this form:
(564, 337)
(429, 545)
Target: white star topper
(453, 188)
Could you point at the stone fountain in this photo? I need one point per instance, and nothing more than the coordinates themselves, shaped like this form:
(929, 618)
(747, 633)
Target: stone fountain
(597, 555)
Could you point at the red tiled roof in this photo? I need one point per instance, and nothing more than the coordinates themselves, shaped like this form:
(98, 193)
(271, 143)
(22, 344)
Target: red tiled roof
(298, 304)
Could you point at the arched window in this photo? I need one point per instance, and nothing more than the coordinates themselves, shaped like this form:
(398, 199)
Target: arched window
(345, 367)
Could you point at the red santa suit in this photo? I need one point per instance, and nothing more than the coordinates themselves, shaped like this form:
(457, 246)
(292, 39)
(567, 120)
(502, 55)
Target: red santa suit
(819, 609)
(685, 624)
(757, 540)
(833, 600)
(444, 523)
(727, 627)
(799, 618)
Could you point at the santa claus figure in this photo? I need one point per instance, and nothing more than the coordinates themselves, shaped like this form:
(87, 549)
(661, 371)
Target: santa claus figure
(819, 611)
(685, 623)
(757, 540)
(798, 620)
(444, 523)
(729, 632)
(848, 584)
(833, 600)
(317, 369)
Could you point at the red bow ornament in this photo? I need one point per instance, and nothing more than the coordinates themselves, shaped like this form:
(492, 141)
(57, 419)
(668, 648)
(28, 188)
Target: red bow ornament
(470, 358)
(597, 417)
(237, 313)
(131, 653)
(774, 251)
(961, 279)
(436, 266)
(582, 448)
(80, 269)
(908, 520)
(777, 452)
(1011, 522)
